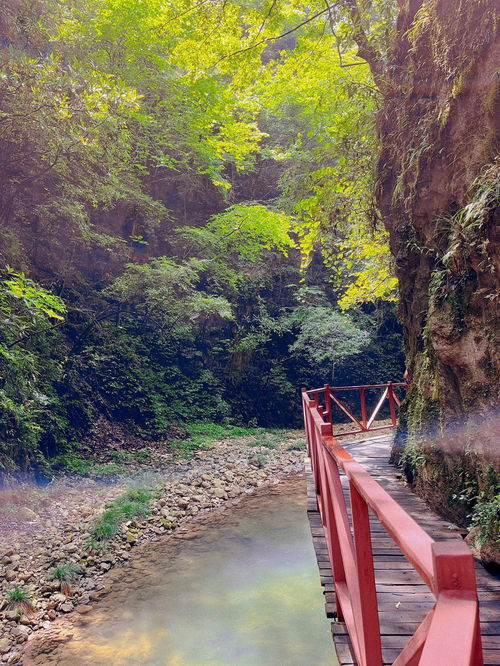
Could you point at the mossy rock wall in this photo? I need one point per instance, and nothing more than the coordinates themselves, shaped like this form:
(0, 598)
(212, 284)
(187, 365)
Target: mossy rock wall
(438, 192)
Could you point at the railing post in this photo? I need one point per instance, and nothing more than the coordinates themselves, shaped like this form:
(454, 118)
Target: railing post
(315, 398)
(457, 609)
(370, 627)
(305, 400)
(328, 404)
(392, 405)
(362, 398)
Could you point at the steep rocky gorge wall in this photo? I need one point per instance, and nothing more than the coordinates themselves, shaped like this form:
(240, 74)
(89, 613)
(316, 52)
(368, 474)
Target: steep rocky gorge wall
(438, 192)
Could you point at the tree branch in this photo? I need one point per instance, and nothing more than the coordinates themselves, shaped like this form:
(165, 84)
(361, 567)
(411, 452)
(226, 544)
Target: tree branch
(27, 336)
(366, 49)
(270, 39)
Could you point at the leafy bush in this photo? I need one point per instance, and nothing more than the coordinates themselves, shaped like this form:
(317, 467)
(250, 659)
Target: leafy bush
(486, 516)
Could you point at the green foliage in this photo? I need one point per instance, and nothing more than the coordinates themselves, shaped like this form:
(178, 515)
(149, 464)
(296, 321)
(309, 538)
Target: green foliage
(486, 516)
(72, 464)
(37, 301)
(202, 434)
(326, 336)
(249, 230)
(133, 504)
(29, 365)
(122, 121)
(66, 574)
(17, 594)
(142, 456)
(267, 440)
(413, 458)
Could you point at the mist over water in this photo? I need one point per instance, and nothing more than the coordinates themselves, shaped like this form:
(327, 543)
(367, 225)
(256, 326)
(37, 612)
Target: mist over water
(243, 591)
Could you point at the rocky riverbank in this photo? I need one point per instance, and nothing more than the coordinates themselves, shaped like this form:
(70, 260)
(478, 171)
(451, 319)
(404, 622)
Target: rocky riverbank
(56, 529)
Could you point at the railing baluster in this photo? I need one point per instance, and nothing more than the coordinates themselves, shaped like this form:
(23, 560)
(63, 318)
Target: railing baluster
(362, 399)
(364, 564)
(332, 540)
(328, 403)
(392, 406)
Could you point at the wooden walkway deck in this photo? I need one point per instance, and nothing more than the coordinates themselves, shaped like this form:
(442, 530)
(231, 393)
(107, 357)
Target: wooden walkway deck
(403, 598)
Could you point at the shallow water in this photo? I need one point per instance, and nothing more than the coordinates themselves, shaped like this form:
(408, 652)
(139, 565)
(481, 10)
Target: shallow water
(244, 590)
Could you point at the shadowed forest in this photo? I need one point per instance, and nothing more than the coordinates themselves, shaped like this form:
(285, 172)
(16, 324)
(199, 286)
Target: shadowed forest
(187, 232)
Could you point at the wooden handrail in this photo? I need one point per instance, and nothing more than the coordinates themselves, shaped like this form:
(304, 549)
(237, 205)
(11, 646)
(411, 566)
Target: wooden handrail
(362, 423)
(355, 388)
(446, 567)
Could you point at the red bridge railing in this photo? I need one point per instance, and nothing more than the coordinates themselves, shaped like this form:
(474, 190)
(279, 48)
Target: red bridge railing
(329, 396)
(450, 633)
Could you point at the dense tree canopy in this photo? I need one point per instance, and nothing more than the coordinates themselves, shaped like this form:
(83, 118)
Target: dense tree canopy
(189, 187)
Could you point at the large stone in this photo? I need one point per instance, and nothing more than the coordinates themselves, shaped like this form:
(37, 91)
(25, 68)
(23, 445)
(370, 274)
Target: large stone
(168, 524)
(5, 644)
(21, 631)
(11, 615)
(27, 514)
(83, 608)
(59, 598)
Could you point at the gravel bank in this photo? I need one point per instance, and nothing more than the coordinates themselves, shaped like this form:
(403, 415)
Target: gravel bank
(56, 527)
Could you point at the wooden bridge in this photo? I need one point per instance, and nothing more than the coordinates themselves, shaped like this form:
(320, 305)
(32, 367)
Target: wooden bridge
(402, 587)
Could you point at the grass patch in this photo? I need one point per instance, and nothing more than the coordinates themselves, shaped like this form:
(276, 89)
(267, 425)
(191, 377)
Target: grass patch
(106, 471)
(66, 575)
(269, 440)
(18, 599)
(142, 456)
(202, 434)
(71, 463)
(297, 446)
(119, 456)
(132, 504)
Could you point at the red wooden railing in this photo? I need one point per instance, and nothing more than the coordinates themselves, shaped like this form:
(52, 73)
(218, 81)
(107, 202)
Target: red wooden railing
(450, 632)
(328, 395)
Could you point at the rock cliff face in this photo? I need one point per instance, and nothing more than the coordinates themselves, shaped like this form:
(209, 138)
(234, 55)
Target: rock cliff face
(438, 192)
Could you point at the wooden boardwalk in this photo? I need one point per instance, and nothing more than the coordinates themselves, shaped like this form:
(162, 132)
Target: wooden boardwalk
(403, 597)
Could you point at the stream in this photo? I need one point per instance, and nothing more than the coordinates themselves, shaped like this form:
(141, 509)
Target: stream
(241, 589)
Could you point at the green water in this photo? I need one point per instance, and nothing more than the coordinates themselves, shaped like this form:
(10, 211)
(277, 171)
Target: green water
(242, 591)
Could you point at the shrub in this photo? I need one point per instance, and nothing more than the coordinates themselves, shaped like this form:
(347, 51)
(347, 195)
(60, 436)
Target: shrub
(486, 516)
